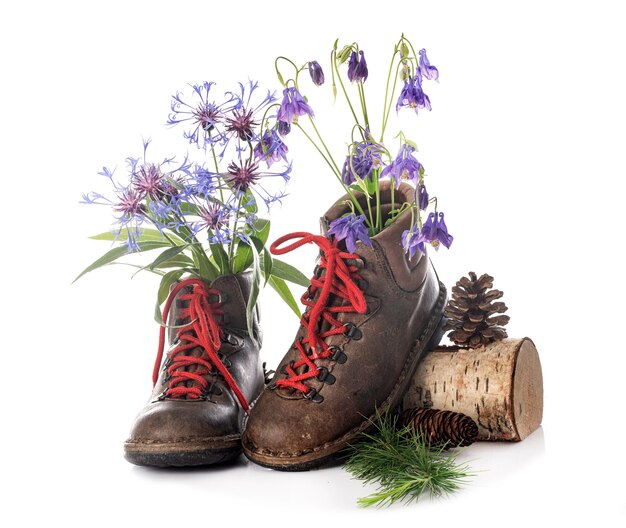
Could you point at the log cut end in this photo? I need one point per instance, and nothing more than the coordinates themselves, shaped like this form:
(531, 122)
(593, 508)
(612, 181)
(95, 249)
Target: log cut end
(500, 386)
(527, 390)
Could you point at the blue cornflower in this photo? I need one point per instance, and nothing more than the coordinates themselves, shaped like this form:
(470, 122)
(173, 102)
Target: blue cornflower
(412, 96)
(426, 69)
(205, 117)
(316, 73)
(240, 122)
(404, 167)
(271, 148)
(363, 158)
(350, 228)
(357, 67)
(205, 182)
(292, 106)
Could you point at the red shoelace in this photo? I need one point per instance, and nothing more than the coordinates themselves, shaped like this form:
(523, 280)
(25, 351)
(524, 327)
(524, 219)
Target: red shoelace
(340, 281)
(204, 331)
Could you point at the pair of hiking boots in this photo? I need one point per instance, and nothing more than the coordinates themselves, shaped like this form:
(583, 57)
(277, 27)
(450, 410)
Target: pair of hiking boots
(370, 316)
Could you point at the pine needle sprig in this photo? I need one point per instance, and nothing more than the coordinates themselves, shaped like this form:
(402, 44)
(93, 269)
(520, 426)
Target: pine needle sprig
(403, 465)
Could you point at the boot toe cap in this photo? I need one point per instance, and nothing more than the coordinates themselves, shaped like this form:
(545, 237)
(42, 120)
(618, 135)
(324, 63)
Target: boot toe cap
(173, 421)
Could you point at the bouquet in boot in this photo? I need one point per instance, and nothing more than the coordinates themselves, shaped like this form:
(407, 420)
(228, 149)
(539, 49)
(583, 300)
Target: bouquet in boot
(374, 305)
(202, 215)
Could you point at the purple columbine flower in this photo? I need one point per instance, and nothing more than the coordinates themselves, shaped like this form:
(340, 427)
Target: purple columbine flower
(363, 158)
(283, 128)
(271, 148)
(435, 231)
(357, 67)
(316, 72)
(404, 167)
(412, 96)
(422, 197)
(350, 228)
(413, 241)
(292, 106)
(426, 69)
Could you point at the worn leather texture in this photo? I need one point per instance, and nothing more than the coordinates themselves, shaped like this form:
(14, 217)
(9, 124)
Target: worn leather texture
(218, 419)
(404, 307)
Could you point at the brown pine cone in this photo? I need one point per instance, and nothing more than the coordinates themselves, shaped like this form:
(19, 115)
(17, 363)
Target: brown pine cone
(441, 428)
(471, 311)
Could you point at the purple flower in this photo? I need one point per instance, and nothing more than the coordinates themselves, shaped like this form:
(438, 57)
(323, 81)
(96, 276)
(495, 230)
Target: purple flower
(412, 96)
(283, 128)
(206, 183)
(150, 181)
(422, 197)
(350, 228)
(435, 231)
(404, 167)
(316, 72)
(242, 175)
(270, 148)
(204, 116)
(428, 71)
(413, 241)
(242, 124)
(292, 106)
(357, 67)
(363, 158)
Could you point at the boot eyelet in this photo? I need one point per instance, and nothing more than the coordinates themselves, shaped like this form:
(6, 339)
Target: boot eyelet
(325, 376)
(362, 284)
(338, 355)
(214, 389)
(225, 361)
(314, 396)
(352, 332)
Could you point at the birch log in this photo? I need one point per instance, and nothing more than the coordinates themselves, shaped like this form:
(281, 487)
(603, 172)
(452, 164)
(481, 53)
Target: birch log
(500, 386)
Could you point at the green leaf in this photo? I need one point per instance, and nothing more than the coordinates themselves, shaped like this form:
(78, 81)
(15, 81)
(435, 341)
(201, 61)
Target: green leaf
(164, 289)
(281, 288)
(179, 261)
(168, 254)
(207, 270)
(243, 257)
(115, 253)
(152, 235)
(267, 265)
(254, 289)
(250, 202)
(221, 258)
(287, 272)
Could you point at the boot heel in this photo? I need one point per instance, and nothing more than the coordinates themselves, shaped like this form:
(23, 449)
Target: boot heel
(437, 335)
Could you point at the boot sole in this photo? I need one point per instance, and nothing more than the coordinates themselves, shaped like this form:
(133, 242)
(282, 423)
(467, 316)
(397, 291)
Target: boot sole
(331, 452)
(180, 454)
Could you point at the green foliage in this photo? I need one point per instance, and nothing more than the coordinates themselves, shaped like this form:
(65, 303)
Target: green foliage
(402, 464)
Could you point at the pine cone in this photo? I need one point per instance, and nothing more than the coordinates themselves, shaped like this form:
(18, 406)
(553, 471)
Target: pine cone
(470, 312)
(441, 428)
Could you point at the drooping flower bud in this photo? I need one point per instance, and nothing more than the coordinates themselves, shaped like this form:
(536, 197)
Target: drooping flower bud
(316, 72)
(357, 67)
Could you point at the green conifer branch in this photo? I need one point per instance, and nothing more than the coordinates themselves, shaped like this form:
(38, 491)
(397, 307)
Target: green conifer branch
(403, 465)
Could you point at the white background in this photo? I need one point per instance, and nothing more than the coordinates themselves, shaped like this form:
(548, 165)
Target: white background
(524, 148)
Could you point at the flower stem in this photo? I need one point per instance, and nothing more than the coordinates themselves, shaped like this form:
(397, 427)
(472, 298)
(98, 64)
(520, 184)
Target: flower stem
(383, 121)
(334, 169)
(345, 93)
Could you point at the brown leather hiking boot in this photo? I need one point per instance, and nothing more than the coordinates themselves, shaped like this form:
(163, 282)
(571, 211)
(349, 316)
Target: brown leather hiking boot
(370, 316)
(211, 372)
